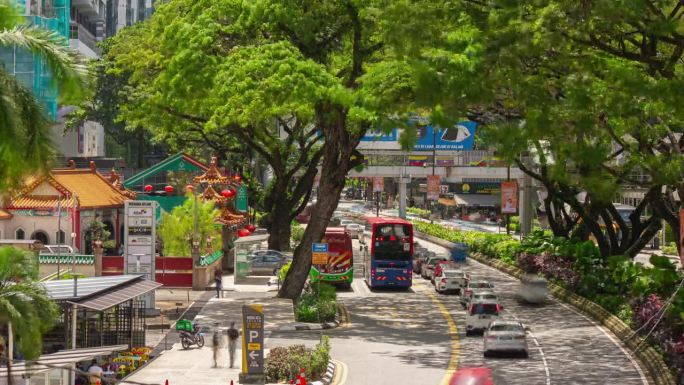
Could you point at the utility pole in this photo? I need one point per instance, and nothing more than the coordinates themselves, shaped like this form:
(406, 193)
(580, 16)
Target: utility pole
(59, 231)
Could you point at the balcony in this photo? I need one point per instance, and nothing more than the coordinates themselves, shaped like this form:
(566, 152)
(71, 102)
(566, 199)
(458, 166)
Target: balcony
(90, 8)
(83, 41)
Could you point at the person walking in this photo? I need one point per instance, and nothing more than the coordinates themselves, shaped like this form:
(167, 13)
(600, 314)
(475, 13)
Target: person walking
(216, 344)
(233, 335)
(218, 279)
(95, 372)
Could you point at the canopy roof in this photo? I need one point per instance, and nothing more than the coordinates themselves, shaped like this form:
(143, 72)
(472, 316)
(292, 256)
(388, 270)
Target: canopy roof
(100, 293)
(61, 359)
(477, 200)
(178, 162)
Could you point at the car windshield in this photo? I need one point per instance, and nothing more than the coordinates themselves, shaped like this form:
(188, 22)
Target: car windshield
(480, 285)
(486, 296)
(484, 308)
(390, 242)
(506, 328)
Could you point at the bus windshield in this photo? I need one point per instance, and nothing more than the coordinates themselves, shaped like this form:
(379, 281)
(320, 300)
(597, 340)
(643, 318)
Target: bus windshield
(392, 242)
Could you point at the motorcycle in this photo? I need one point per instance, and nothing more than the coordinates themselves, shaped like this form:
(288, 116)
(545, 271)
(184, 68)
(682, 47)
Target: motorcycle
(195, 338)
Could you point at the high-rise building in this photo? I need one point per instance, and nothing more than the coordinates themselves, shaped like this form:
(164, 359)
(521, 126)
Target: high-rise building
(87, 26)
(122, 13)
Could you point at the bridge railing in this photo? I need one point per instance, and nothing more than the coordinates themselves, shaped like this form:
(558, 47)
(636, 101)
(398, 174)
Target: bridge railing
(475, 158)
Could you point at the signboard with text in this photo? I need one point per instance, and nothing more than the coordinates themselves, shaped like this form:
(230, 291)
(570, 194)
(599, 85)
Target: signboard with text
(487, 188)
(509, 197)
(378, 184)
(241, 198)
(319, 253)
(460, 136)
(139, 241)
(252, 339)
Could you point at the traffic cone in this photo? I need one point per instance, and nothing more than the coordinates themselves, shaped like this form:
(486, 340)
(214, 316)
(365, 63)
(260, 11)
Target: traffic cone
(166, 382)
(231, 382)
(302, 377)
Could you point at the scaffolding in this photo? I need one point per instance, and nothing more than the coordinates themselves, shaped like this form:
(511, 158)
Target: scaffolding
(31, 70)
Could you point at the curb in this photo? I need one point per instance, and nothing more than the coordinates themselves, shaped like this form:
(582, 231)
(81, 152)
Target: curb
(656, 371)
(328, 376)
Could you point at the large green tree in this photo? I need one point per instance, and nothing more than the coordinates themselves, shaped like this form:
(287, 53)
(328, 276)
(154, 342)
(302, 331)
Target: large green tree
(24, 124)
(24, 304)
(583, 97)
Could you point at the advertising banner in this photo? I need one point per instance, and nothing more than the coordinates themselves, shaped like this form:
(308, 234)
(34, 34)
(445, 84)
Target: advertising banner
(378, 184)
(460, 136)
(433, 188)
(509, 197)
(252, 339)
(319, 254)
(241, 198)
(487, 188)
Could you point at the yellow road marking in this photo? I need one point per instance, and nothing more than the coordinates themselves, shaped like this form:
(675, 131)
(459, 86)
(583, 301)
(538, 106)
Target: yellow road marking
(453, 334)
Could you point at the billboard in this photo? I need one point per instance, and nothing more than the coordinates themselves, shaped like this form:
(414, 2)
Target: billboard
(509, 197)
(378, 184)
(458, 137)
(475, 188)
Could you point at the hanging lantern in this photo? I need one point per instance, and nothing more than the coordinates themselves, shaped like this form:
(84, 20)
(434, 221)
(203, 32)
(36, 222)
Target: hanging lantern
(243, 233)
(148, 188)
(168, 189)
(228, 193)
(250, 227)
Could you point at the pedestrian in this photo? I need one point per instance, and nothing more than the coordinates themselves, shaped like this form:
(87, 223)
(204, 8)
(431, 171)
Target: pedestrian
(218, 279)
(216, 344)
(95, 372)
(233, 335)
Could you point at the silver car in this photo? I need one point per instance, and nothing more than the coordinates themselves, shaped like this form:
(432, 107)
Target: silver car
(473, 287)
(354, 229)
(504, 336)
(266, 264)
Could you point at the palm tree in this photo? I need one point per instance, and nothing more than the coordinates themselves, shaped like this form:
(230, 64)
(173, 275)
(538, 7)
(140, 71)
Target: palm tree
(24, 304)
(25, 127)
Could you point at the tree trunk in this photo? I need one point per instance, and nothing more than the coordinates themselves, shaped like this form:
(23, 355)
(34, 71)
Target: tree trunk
(279, 233)
(141, 148)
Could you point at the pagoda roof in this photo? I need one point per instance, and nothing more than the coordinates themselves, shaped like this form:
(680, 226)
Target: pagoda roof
(210, 194)
(212, 176)
(115, 180)
(5, 215)
(229, 217)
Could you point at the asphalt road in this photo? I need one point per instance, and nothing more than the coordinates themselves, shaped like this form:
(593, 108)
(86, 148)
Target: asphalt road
(404, 338)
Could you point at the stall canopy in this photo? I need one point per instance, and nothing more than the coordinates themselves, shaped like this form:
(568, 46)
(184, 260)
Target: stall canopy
(446, 202)
(100, 293)
(477, 200)
(61, 359)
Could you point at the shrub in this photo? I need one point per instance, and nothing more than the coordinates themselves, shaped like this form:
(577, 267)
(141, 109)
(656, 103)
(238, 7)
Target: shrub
(312, 307)
(284, 363)
(282, 273)
(670, 249)
(297, 233)
(419, 212)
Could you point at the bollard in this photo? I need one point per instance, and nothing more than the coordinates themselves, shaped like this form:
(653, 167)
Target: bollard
(231, 382)
(166, 382)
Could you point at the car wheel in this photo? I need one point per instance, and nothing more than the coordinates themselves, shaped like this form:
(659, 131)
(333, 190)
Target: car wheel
(487, 354)
(468, 333)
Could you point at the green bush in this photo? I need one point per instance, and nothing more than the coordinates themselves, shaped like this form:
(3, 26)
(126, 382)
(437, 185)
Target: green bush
(282, 273)
(297, 233)
(419, 212)
(312, 307)
(670, 249)
(284, 363)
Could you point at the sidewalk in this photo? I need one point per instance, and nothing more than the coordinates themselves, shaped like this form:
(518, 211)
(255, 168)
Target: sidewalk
(194, 366)
(228, 280)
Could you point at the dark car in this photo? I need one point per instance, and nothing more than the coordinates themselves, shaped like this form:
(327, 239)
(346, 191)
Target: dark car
(267, 262)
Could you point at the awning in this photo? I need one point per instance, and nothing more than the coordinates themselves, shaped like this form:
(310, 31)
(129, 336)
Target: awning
(118, 295)
(61, 359)
(446, 202)
(477, 200)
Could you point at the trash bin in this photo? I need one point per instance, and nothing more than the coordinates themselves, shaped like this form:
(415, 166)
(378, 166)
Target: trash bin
(459, 252)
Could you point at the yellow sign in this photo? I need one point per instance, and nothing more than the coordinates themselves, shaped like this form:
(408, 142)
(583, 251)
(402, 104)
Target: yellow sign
(319, 258)
(253, 346)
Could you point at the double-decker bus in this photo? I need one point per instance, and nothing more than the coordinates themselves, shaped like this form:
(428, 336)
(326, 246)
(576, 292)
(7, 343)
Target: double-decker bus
(340, 267)
(390, 260)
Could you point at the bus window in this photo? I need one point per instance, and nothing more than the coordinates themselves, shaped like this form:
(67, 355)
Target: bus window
(392, 242)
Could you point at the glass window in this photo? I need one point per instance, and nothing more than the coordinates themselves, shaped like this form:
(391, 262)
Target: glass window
(391, 242)
(484, 308)
(20, 234)
(506, 328)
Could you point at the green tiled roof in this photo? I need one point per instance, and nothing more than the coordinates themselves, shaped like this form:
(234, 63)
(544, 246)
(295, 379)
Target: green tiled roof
(66, 259)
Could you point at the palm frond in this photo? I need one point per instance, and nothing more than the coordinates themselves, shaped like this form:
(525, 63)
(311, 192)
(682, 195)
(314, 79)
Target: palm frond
(68, 68)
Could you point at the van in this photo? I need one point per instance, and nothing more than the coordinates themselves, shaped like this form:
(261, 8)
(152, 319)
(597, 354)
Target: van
(533, 289)
(480, 313)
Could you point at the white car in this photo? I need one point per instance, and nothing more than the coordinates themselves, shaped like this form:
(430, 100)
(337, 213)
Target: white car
(354, 229)
(484, 296)
(503, 336)
(473, 287)
(345, 222)
(451, 280)
(58, 249)
(480, 313)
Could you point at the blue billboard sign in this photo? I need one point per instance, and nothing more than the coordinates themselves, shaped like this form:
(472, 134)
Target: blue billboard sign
(460, 136)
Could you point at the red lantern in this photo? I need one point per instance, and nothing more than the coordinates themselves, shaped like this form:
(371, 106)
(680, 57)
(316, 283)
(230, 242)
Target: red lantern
(250, 227)
(243, 233)
(228, 193)
(148, 188)
(168, 189)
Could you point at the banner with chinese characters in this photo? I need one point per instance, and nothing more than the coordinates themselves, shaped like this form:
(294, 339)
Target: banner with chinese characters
(433, 188)
(509, 197)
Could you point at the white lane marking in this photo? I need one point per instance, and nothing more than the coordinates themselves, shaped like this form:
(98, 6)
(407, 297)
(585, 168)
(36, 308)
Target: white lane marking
(541, 351)
(618, 344)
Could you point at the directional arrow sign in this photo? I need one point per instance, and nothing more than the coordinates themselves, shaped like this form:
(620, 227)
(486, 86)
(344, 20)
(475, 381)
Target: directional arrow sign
(252, 340)
(254, 355)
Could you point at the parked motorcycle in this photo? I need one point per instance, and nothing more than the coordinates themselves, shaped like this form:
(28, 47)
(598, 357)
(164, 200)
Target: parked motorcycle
(196, 337)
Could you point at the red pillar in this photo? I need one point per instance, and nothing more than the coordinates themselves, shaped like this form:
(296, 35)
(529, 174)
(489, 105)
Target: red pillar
(77, 219)
(117, 230)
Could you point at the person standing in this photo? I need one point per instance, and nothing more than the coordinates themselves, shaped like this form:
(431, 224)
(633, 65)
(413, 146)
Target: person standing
(216, 345)
(233, 335)
(218, 279)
